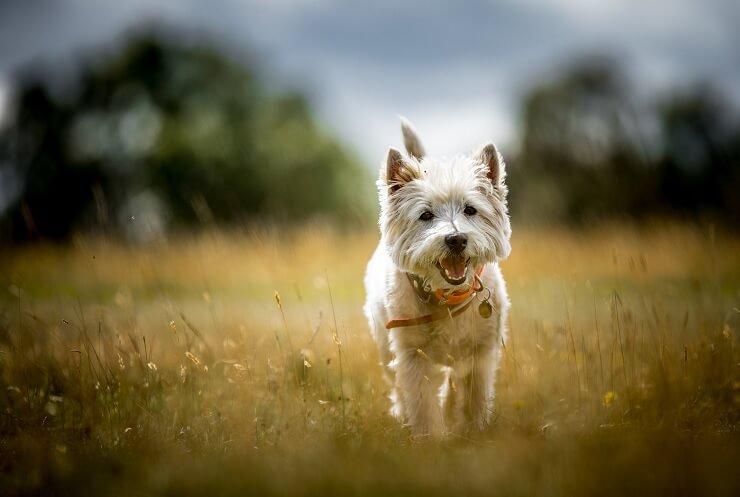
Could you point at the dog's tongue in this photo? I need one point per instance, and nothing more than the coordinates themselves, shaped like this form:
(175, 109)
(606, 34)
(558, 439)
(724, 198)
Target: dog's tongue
(454, 266)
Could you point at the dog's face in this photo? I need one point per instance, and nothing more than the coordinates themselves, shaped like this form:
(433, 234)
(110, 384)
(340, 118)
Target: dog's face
(442, 218)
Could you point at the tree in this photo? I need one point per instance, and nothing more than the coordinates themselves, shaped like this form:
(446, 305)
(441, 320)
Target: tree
(700, 164)
(588, 151)
(163, 132)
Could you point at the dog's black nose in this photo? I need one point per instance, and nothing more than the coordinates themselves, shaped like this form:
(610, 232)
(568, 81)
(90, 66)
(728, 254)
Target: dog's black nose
(457, 242)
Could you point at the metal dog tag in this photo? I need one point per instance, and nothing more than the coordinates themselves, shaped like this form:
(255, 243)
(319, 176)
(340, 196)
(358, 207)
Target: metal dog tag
(485, 309)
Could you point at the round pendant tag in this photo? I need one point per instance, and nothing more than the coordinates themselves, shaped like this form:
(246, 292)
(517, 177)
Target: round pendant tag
(485, 309)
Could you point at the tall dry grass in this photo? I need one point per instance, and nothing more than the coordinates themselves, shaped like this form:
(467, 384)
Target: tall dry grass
(238, 363)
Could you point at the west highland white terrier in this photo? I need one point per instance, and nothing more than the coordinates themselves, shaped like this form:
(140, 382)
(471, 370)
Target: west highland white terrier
(436, 298)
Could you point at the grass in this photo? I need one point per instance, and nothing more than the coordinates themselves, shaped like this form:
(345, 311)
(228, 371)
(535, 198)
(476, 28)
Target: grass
(241, 364)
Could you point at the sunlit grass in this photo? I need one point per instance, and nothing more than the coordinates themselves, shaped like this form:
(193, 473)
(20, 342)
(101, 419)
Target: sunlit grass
(228, 363)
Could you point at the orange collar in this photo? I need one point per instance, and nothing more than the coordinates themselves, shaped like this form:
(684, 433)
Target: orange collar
(461, 299)
(455, 298)
(441, 297)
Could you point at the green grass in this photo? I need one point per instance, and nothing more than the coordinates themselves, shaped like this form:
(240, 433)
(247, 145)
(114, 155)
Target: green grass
(171, 369)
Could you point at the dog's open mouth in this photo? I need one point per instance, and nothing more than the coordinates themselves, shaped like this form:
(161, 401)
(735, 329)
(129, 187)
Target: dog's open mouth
(454, 269)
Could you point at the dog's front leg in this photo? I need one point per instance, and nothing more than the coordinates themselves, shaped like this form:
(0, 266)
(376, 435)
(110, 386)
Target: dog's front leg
(414, 374)
(477, 389)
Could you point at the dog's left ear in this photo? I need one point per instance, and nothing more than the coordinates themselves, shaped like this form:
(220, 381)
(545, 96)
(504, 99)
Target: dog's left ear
(492, 159)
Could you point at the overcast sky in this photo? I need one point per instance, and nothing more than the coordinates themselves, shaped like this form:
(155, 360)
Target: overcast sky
(455, 69)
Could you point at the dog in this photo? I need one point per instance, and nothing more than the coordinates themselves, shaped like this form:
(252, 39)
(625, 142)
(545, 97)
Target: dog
(436, 297)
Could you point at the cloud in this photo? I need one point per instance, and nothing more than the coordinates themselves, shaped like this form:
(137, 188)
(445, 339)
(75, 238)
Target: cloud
(366, 62)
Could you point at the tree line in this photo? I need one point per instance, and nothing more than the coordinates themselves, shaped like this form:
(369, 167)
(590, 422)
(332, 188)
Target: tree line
(164, 135)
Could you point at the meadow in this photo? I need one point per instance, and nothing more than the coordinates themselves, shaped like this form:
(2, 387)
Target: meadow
(238, 363)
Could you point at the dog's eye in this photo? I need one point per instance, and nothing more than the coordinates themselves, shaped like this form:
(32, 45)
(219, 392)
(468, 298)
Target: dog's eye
(427, 216)
(470, 210)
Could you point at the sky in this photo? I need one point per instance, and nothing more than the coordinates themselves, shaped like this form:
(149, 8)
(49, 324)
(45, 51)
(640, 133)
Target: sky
(457, 70)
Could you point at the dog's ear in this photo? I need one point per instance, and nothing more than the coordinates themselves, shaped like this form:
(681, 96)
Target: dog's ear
(398, 171)
(492, 159)
(411, 140)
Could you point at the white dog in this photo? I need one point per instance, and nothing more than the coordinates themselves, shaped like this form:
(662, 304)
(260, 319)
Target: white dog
(436, 299)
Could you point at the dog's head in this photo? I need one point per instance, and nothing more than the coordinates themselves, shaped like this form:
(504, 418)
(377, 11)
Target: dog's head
(442, 218)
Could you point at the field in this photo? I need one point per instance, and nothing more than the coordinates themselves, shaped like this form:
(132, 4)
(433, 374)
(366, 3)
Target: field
(240, 363)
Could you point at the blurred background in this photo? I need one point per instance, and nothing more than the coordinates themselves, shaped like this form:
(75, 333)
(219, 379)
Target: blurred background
(187, 205)
(139, 118)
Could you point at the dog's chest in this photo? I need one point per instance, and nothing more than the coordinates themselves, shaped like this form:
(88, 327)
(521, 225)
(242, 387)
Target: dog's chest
(448, 342)
(451, 341)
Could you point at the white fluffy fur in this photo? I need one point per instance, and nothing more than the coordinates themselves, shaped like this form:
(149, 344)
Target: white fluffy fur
(441, 374)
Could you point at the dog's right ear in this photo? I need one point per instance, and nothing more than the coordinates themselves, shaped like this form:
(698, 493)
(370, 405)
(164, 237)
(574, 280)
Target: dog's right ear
(411, 140)
(398, 171)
